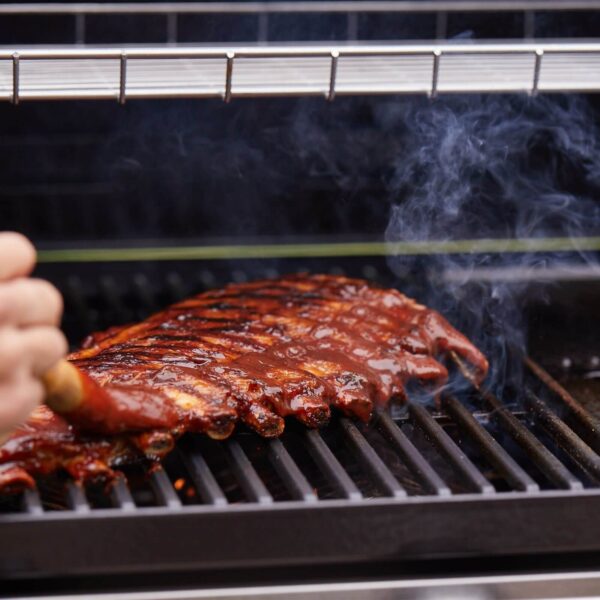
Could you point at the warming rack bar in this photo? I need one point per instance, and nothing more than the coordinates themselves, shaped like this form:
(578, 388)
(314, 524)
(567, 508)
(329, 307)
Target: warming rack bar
(401, 6)
(350, 10)
(249, 71)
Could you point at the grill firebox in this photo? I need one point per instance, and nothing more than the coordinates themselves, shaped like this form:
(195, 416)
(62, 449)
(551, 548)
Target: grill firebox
(476, 475)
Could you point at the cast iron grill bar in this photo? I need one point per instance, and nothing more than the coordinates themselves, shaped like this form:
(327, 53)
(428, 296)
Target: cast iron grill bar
(204, 481)
(330, 466)
(176, 286)
(490, 448)
(144, 293)
(165, 494)
(529, 24)
(172, 27)
(76, 497)
(32, 502)
(441, 25)
(113, 298)
(288, 470)
(121, 495)
(584, 417)
(352, 26)
(80, 28)
(564, 436)
(413, 458)
(263, 27)
(455, 456)
(544, 460)
(246, 475)
(552, 468)
(370, 459)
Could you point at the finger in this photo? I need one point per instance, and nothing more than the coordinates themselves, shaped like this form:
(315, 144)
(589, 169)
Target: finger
(38, 347)
(12, 351)
(17, 255)
(26, 302)
(17, 399)
(43, 347)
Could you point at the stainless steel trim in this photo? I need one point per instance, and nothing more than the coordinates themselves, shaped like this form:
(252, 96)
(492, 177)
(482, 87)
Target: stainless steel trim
(539, 54)
(15, 78)
(356, 6)
(123, 78)
(507, 587)
(228, 76)
(435, 73)
(332, 75)
(301, 50)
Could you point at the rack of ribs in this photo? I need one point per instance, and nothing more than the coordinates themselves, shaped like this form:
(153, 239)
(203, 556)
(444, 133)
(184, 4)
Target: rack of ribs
(255, 352)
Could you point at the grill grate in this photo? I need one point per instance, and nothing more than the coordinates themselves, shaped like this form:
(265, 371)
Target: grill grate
(422, 452)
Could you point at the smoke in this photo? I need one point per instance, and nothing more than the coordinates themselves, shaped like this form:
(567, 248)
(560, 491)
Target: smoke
(454, 168)
(506, 167)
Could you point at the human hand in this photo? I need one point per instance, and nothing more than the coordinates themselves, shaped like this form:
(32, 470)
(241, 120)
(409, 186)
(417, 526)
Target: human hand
(30, 340)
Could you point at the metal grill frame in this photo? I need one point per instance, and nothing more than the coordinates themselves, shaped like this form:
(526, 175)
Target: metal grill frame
(349, 8)
(298, 533)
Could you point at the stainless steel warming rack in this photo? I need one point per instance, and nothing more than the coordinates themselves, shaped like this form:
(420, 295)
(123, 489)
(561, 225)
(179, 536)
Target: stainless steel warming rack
(133, 72)
(263, 68)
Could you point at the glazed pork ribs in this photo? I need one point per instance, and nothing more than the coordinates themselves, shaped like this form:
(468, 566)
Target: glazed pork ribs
(255, 352)
(263, 351)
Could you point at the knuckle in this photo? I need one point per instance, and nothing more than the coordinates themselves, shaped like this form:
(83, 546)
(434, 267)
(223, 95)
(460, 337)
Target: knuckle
(20, 249)
(57, 343)
(46, 345)
(50, 297)
(18, 400)
(11, 349)
(5, 303)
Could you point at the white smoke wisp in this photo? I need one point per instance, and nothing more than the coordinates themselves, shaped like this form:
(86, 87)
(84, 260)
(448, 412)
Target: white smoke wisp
(505, 167)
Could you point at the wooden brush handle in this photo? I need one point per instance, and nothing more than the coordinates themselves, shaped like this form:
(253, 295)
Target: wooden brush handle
(107, 409)
(64, 387)
(64, 390)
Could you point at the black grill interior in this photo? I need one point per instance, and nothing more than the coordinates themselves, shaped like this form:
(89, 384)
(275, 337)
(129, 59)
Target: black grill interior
(534, 438)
